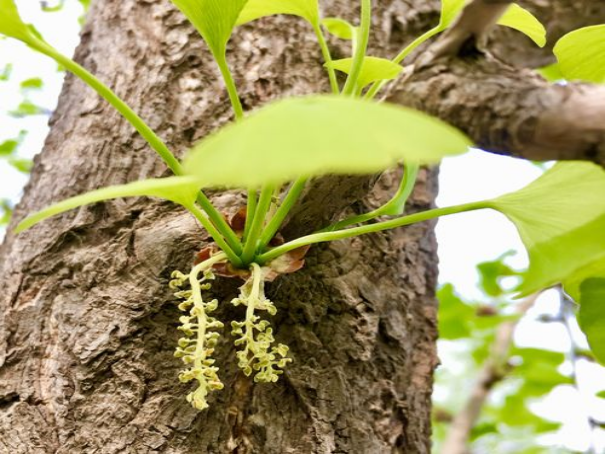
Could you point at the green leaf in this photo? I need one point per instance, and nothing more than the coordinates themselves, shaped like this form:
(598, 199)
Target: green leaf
(453, 314)
(522, 20)
(8, 147)
(214, 19)
(35, 83)
(591, 316)
(53, 9)
(561, 219)
(551, 73)
(372, 70)
(449, 11)
(21, 164)
(255, 9)
(6, 72)
(27, 108)
(601, 394)
(181, 190)
(7, 212)
(304, 137)
(581, 54)
(572, 284)
(11, 23)
(339, 28)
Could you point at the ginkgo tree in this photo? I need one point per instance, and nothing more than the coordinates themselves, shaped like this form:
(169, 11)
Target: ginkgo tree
(560, 217)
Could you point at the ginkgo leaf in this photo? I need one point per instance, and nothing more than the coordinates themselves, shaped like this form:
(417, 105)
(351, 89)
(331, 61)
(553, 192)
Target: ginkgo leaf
(373, 69)
(572, 284)
(214, 19)
(522, 20)
(339, 28)
(318, 135)
(561, 219)
(181, 190)
(255, 9)
(11, 23)
(581, 54)
(591, 316)
(449, 10)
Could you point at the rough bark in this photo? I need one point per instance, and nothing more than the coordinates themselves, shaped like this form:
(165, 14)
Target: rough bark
(88, 323)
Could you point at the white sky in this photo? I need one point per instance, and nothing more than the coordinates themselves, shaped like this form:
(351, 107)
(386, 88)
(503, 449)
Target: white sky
(464, 240)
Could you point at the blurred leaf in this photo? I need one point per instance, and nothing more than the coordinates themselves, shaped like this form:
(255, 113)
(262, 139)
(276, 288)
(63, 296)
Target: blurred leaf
(522, 20)
(21, 164)
(491, 272)
(453, 314)
(9, 147)
(551, 73)
(255, 9)
(52, 9)
(6, 72)
(339, 28)
(483, 429)
(318, 135)
(601, 394)
(581, 54)
(449, 11)
(372, 70)
(28, 108)
(35, 83)
(6, 212)
(181, 190)
(592, 315)
(561, 219)
(11, 23)
(214, 20)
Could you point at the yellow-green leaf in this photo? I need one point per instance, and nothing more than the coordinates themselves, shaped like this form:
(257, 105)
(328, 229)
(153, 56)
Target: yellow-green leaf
(561, 220)
(319, 135)
(214, 19)
(255, 9)
(449, 11)
(522, 20)
(339, 28)
(581, 54)
(181, 190)
(11, 23)
(591, 317)
(372, 70)
(572, 284)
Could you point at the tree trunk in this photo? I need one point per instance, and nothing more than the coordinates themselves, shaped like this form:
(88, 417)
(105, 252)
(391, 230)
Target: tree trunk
(88, 324)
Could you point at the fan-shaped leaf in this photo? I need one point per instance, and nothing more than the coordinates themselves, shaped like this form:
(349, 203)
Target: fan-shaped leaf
(214, 19)
(11, 23)
(339, 28)
(561, 220)
(255, 9)
(522, 20)
(592, 315)
(320, 135)
(581, 54)
(181, 190)
(373, 69)
(449, 10)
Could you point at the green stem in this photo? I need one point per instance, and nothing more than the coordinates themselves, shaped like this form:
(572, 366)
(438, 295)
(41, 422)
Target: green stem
(236, 103)
(325, 51)
(393, 207)
(276, 221)
(362, 46)
(251, 244)
(146, 132)
(250, 211)
(378, 85)
(215, 234)
(372, 228)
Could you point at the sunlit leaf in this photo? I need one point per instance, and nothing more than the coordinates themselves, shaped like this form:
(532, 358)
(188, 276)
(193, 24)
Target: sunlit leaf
(601, 394)
(255, 9)
(372, 70)
(304, 137)
(491, 272)
(572, 284)
(8, 147)
(592, 315)
(522, 20)
(551, 73)
(181, 190)
(339, 28)
(214, 19)
(35, 83)
(27, 108)
(581, 54)
(6, 72)
(21, 164)
(11, 23)
(561, 219)
(453, 314)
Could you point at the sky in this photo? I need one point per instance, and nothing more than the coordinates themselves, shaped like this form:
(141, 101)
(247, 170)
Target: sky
(464, 240)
